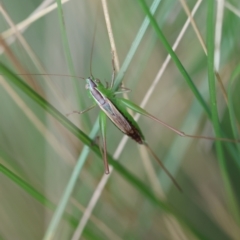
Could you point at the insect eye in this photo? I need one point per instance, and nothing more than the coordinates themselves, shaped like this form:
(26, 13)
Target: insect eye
(97, 80)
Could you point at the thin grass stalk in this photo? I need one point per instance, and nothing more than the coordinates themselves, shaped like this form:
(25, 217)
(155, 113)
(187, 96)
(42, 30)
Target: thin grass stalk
(31, 53)
(233, 120)
(51, 139)
(194, 25)
(218, 34)
(174, 57)
(178, 147)
(232, 8)
(31, 19)
(164, 180)
(98, 222)
(58, 213)
(34, 193)
(215, 120)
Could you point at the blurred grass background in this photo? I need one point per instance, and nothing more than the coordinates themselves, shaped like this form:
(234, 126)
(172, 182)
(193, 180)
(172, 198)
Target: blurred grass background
(38, 150)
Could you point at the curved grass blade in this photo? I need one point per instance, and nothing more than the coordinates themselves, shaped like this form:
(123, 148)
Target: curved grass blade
(215, 119)
(232, 80)
(134, 46)
(34, 193)
(38, 196)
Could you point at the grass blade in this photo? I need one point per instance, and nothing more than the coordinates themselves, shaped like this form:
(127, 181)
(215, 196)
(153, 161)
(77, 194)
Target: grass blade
(215, 119)
(174, 57)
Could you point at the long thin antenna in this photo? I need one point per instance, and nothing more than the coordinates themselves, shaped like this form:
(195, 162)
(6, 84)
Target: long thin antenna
(94, 34)
(46, 74)
(163, 167)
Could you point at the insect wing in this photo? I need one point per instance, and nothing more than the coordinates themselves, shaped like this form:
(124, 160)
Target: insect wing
(116, 116)
(121, 121)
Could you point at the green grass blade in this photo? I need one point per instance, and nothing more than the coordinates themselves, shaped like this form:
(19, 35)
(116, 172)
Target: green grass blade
(174, 57)
(34, 193)
(179, 147)
(232, 80)
(45, 105)
(58, 214)
(66, 45)
(215, 119)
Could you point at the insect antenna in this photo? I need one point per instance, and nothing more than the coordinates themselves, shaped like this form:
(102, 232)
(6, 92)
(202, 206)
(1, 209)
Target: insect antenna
(163, 167)
(49, 74)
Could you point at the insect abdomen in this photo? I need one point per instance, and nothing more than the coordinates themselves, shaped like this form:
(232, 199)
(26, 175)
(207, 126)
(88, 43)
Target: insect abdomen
(135, 135)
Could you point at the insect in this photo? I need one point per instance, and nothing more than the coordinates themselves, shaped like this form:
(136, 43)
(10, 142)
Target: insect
(115, 109)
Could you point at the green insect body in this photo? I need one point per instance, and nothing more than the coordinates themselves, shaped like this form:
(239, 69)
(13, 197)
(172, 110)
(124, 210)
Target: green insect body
(115, 110)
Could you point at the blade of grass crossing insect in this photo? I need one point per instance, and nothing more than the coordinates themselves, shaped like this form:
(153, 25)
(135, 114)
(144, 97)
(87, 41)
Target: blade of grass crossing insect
(69, 60)
(174, 57)
(212, 90)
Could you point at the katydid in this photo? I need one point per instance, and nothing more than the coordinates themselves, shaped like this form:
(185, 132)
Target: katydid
(115, 109)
